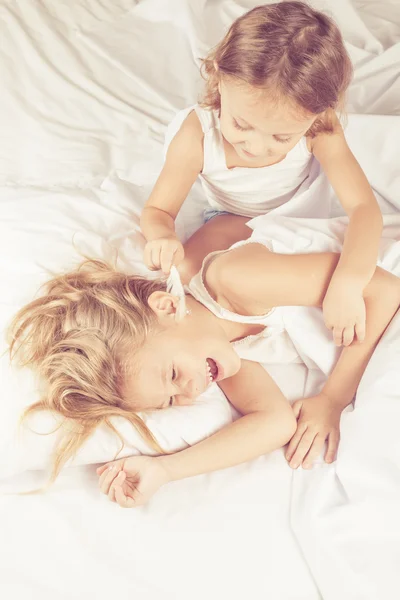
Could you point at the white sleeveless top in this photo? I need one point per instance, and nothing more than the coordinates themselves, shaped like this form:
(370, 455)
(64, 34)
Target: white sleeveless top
(248, 192)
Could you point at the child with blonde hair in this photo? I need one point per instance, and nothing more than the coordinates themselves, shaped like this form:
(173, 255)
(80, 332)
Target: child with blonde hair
(110, 344)
(273, 86)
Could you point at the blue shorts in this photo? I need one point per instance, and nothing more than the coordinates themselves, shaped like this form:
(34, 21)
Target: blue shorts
(210, 213)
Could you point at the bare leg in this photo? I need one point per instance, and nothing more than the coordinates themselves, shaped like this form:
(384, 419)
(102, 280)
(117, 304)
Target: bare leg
(218, 234)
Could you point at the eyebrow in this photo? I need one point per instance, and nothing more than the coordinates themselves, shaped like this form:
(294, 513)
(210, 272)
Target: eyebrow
(277, 134)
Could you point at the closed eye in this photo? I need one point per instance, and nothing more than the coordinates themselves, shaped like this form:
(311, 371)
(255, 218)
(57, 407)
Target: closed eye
(173, 377)
(236, 124)
(282, 140)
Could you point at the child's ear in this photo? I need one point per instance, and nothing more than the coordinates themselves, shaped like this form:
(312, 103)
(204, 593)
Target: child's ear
(163, 304)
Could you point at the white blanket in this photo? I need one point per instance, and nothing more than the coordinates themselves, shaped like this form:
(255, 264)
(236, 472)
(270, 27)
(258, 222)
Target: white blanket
(87, 90)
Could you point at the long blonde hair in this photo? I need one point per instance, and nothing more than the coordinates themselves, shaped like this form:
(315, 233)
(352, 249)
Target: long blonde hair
(76, 336)
(292, 51)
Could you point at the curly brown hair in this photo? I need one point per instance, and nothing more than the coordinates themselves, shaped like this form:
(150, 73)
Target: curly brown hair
(292, 51)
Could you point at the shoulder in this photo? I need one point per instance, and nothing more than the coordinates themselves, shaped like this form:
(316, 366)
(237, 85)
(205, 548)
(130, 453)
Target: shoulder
(187, 144)
(190, 130)
(328, 143)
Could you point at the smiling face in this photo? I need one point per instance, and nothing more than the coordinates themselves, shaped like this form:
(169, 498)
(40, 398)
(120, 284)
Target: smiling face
(257, 128)
(180, 361)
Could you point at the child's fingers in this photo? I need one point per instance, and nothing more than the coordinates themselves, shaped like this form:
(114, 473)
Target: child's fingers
(100, 470)
(302, 449)
(333, 444)
(151, 256)
(102, 479)
(147, 256)
(102, 476)
(167, 259)
(314, 451)
(348, 335)
(338, 335)
(294, 442)
(118, 480)
(121, 498)
(107, 478)
(111, 492)
(360, 330)
(179, 255)
(155, 262)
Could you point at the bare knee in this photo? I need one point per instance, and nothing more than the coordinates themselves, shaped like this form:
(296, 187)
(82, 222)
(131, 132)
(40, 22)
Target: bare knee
(218, 234)
(383, 283)
(229, 229)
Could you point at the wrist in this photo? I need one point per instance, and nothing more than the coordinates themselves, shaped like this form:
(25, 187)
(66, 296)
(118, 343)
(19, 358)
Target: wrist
(157, 224)
(166, 234)
(167, 468)
(348, 279)
(336, 398)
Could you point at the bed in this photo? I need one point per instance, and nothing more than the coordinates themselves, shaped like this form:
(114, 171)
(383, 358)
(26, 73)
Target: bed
(88, 88)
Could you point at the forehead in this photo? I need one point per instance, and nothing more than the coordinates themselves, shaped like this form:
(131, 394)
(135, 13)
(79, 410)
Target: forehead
(261, 111)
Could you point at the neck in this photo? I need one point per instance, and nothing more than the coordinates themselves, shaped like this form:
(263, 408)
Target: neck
(232, 330)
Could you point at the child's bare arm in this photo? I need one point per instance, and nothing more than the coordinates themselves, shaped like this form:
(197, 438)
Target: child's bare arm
(183, 163)
(360, 250)
(343, 306)
(267, 423)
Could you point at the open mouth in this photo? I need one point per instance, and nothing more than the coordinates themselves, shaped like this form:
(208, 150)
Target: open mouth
(212, 370)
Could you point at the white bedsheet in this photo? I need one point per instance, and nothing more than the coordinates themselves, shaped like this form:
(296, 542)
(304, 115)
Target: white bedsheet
(87, 88)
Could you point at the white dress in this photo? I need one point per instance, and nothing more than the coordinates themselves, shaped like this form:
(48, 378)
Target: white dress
(248, 192)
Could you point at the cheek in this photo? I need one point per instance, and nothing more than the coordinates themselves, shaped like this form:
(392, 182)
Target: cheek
(279, 148)
(229, 131)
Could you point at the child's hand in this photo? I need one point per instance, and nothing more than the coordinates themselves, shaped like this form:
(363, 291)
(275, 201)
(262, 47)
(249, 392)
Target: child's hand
(132, 481)
(163, 253)
(318, 419)
(344, 312)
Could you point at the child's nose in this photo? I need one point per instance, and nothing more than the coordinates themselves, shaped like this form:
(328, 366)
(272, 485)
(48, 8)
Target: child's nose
(256, 148)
